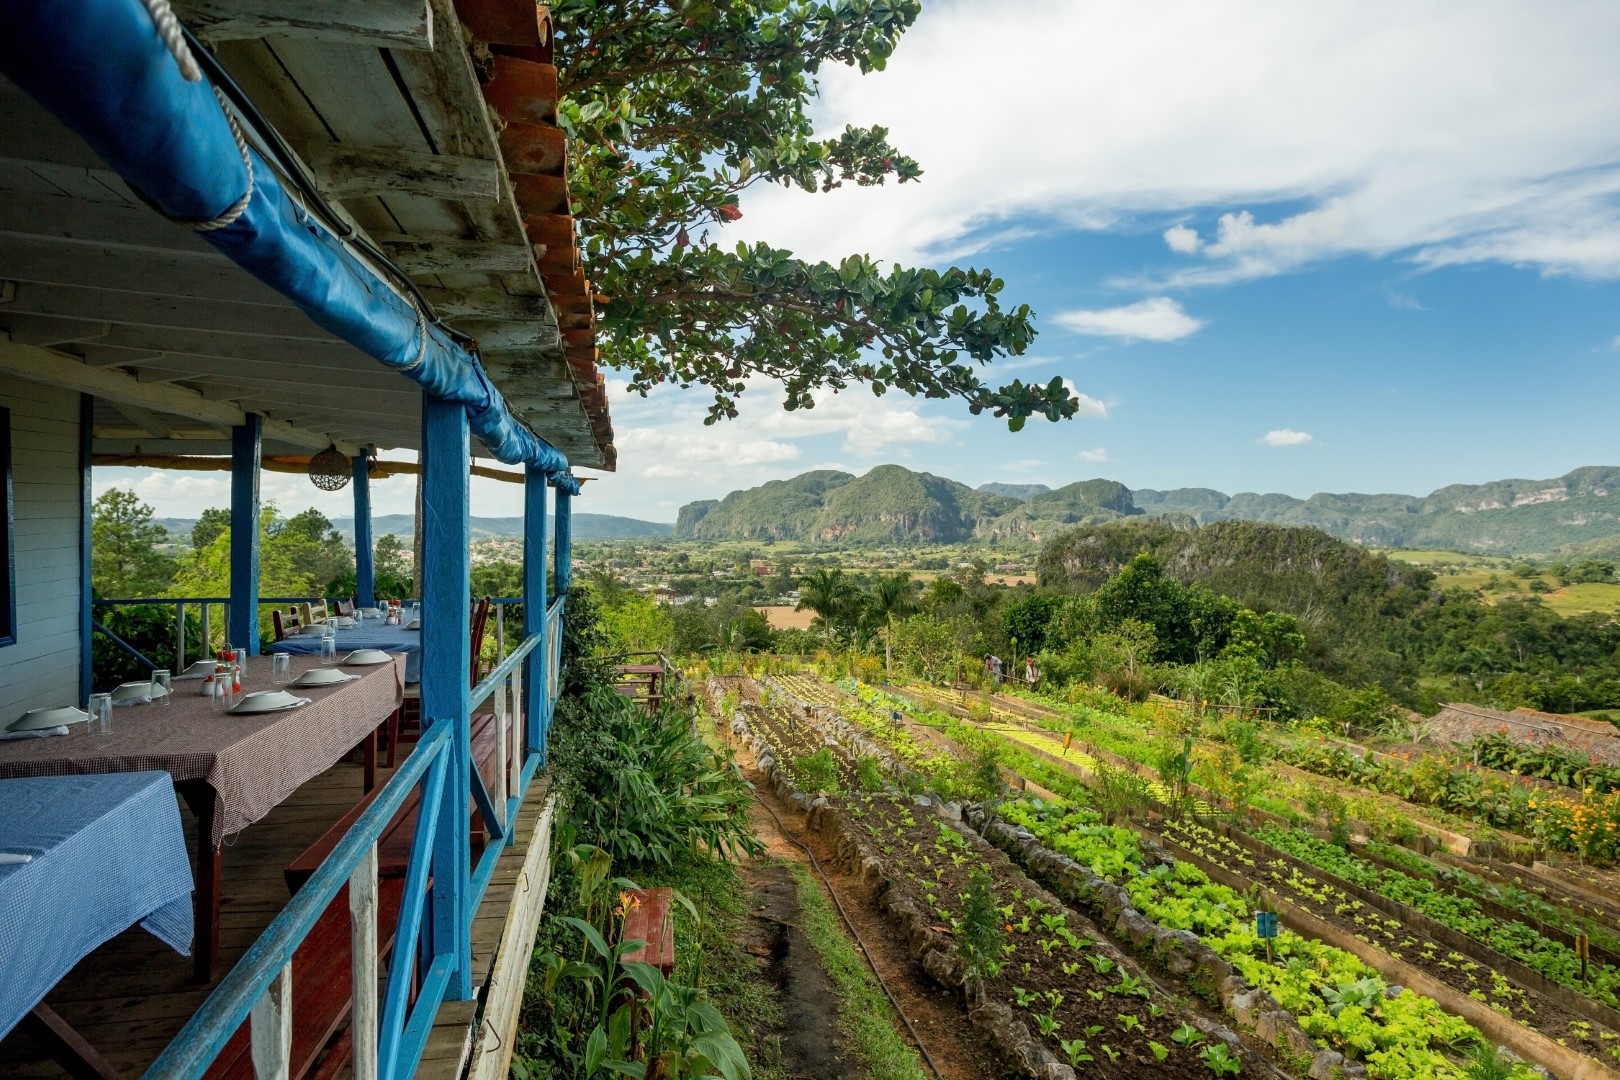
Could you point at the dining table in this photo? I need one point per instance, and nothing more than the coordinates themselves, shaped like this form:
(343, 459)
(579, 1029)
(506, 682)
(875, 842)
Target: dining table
(368, 633)
(82, 859)
(231, 769)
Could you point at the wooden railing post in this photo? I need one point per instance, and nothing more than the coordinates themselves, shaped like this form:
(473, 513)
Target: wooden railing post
(270, 1027)
(503, 723)
(179, 637)
(363, 928)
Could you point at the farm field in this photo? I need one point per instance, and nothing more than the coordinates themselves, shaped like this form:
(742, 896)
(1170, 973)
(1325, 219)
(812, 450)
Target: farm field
(1407, 940)
(1492, 577)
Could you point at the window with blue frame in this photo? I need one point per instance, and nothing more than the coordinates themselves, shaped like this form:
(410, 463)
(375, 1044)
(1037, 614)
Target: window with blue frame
(8, 579)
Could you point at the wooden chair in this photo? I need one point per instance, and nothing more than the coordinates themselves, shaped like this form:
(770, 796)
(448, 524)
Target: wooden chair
(314, 613)
(286, 625)
(345, 607)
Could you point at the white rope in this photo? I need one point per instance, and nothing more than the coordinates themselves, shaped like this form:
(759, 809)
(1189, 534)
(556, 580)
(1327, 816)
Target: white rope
(421, 343)
(174, 37)
(239, 207)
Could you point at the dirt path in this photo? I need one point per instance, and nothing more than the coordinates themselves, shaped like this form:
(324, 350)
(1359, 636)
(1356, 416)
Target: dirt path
(935, 1013)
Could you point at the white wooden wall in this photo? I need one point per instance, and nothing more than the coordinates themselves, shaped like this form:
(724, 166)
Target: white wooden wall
(43, 667)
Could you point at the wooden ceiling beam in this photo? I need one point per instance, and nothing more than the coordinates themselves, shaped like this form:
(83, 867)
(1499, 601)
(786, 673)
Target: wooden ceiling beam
(75, 221)
(349, 172)
(488, 303)
(54, 369)
(388, 24)
(426, 257)
(145, 419)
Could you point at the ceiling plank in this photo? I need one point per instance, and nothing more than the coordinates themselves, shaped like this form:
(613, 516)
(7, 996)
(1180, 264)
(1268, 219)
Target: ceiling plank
(172, 312)
(54, 369)
(389, 24)
(38, 330)
(348, 172)
(75, 221)
(42, 261)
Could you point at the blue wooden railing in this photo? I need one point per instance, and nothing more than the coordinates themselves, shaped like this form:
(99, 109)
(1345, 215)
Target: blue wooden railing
(388, 1041)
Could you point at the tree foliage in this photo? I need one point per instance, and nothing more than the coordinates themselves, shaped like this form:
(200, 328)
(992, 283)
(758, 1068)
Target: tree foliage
(125, 560)
(675, 109)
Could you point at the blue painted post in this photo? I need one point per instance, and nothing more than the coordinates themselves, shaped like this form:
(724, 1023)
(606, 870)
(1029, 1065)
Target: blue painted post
(87, 416)
(446, 645)
(247, 443)
(565, 541)
(534, 603)
(365, 576)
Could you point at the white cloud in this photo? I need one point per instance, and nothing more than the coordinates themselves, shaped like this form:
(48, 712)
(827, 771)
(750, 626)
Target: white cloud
(1090, 408)
(1096, 456)
(1181, 239)
(1615, 344)
(1445, 133)
(1284, 437)
(1156, 319)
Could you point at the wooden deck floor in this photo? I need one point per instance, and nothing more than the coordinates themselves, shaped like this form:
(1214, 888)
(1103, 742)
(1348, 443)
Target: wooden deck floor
(131, 996)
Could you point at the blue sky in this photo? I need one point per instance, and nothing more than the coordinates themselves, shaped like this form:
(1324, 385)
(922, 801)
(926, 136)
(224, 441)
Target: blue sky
(1326, 247)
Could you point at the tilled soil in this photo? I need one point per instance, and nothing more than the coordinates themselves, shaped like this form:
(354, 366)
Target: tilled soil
(957, 1051)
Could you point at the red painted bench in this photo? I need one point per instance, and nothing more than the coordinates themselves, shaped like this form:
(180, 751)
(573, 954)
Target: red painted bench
(651, 921)
(322, 981)
(394, 845)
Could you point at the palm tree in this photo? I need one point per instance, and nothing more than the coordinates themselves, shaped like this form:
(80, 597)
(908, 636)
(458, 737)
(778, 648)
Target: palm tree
(891, 596)
(827, 593)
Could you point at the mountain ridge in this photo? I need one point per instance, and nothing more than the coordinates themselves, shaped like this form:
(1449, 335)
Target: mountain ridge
(893, 504)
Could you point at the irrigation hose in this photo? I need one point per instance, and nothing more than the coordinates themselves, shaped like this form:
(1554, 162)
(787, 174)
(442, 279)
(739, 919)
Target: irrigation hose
(842, 914)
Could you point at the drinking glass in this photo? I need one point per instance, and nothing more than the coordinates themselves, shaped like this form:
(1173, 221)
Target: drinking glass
(280, 668)
(162, 692)
(220, 701)
(100, 711)
(328, 648)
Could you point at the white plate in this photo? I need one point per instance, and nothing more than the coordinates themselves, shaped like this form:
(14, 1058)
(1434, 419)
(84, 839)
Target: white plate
(39, 719)
(414, 624)
(371, 612)
(135, 691)
(341, 621)
(367, 658)
(268, 701)
(199, 669)
(324, 676)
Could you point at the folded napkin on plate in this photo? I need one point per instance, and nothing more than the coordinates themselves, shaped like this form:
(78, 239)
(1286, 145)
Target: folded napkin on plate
(37, 733)
(132, 701)
(11, 858)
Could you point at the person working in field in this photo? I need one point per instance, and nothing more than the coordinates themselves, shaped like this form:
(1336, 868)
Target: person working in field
(992, 668)
(1032, 674)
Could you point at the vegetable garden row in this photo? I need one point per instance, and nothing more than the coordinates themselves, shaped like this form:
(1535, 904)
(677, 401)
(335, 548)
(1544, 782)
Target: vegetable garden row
(1199, 841)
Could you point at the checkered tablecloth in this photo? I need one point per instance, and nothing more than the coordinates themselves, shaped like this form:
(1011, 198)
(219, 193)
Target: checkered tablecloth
(251, 762)
(108, 852)
(372, 635)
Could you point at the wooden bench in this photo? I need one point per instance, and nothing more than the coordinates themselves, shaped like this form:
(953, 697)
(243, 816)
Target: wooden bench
(322, 982)
(394, 845)
(651, 921)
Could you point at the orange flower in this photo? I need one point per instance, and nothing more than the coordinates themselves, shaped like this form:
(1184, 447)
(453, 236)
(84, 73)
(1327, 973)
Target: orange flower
(628, 901)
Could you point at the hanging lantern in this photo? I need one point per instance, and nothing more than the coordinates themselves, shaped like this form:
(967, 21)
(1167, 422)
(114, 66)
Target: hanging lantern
(329, 470)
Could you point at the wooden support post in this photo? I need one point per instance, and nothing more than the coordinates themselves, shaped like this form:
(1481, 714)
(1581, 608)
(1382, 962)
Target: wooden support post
(446, 644)
(365, 575)
(534, 602)
(565, 542)
(246, 448)
(271, 1029)
(363, 930)
(87, 415)
(179, 637)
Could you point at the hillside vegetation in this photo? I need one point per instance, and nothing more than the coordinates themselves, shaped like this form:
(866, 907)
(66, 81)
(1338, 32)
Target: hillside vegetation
(1572, 516)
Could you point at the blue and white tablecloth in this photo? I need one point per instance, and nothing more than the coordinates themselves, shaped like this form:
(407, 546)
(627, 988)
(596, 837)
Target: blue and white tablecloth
(373, 634)
(108, 852)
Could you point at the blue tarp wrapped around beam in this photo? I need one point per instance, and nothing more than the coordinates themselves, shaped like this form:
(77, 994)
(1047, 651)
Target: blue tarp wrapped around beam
(102, 69)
